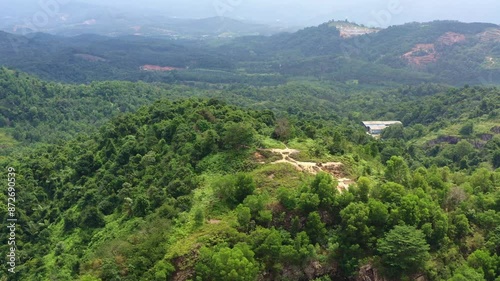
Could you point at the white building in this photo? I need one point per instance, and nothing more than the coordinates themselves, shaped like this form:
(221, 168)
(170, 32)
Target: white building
(375, 128)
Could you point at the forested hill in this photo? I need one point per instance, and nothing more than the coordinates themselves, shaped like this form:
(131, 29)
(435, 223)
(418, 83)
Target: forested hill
(32, 110)
(88, 58)
(198, 189)
(111, 185)
(442, 51)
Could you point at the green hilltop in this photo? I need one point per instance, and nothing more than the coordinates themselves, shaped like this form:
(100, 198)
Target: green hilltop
(200, 185)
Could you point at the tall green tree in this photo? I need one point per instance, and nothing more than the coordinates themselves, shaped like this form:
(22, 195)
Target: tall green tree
(238, 135)
(326, 189)
(403, 251)
(467, 129)
(485, 263)
(355, 218)
(397, 171)
(465, 273)
(315, 228)
(227, 264)
(495, 159)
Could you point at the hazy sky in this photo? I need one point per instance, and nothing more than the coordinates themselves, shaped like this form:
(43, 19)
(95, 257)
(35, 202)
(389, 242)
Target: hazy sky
(305, 12)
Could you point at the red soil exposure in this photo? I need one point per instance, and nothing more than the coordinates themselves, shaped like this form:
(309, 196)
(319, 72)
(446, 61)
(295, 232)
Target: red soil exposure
(490, 35)
(90, 58)
(451, 38)
(149, 67)
(421, 54)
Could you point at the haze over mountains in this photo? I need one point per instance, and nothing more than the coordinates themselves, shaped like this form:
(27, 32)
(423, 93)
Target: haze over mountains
(448, 52)
(289, 13)
(77, 18)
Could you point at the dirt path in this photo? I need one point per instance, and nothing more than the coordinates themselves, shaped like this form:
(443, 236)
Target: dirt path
(333, 168)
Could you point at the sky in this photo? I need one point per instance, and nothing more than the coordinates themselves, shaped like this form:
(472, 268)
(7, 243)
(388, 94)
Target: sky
(379, 13)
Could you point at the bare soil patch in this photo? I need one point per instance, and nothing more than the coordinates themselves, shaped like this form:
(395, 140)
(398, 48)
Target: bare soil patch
(335, 169)
(421, 54)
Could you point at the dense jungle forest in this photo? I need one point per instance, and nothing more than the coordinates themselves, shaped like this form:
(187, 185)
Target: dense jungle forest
(252, 162)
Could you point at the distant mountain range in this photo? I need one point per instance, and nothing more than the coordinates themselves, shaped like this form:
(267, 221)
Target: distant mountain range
(442, 51)
(78, 18)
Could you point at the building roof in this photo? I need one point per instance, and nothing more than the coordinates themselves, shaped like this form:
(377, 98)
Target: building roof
(371, 124)
(377, 127)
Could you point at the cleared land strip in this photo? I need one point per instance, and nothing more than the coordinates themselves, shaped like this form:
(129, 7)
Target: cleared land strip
(333, 168)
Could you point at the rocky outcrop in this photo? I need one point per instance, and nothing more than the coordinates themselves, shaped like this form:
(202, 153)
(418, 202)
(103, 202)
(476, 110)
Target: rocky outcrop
(369, 273)
(445, 139)
(485, 137)
(495, 130)
(313, 270)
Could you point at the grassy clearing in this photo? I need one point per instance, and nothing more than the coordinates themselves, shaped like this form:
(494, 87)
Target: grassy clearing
(268, 156)
(267, 142)
(271, 177)
(310, 151)
(481, 126)
(484, 127)
(218, 223)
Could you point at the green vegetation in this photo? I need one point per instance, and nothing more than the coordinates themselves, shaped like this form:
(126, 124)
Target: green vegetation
(153, 181)
(403, 251)
(174, 189)
(314, 53)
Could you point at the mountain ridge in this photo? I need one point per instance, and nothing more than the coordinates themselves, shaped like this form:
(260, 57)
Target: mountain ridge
(180, 189)
(441, 51)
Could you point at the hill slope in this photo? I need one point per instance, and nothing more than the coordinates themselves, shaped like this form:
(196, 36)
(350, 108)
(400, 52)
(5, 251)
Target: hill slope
(443, 51)
(187, 188)
(440, 51)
